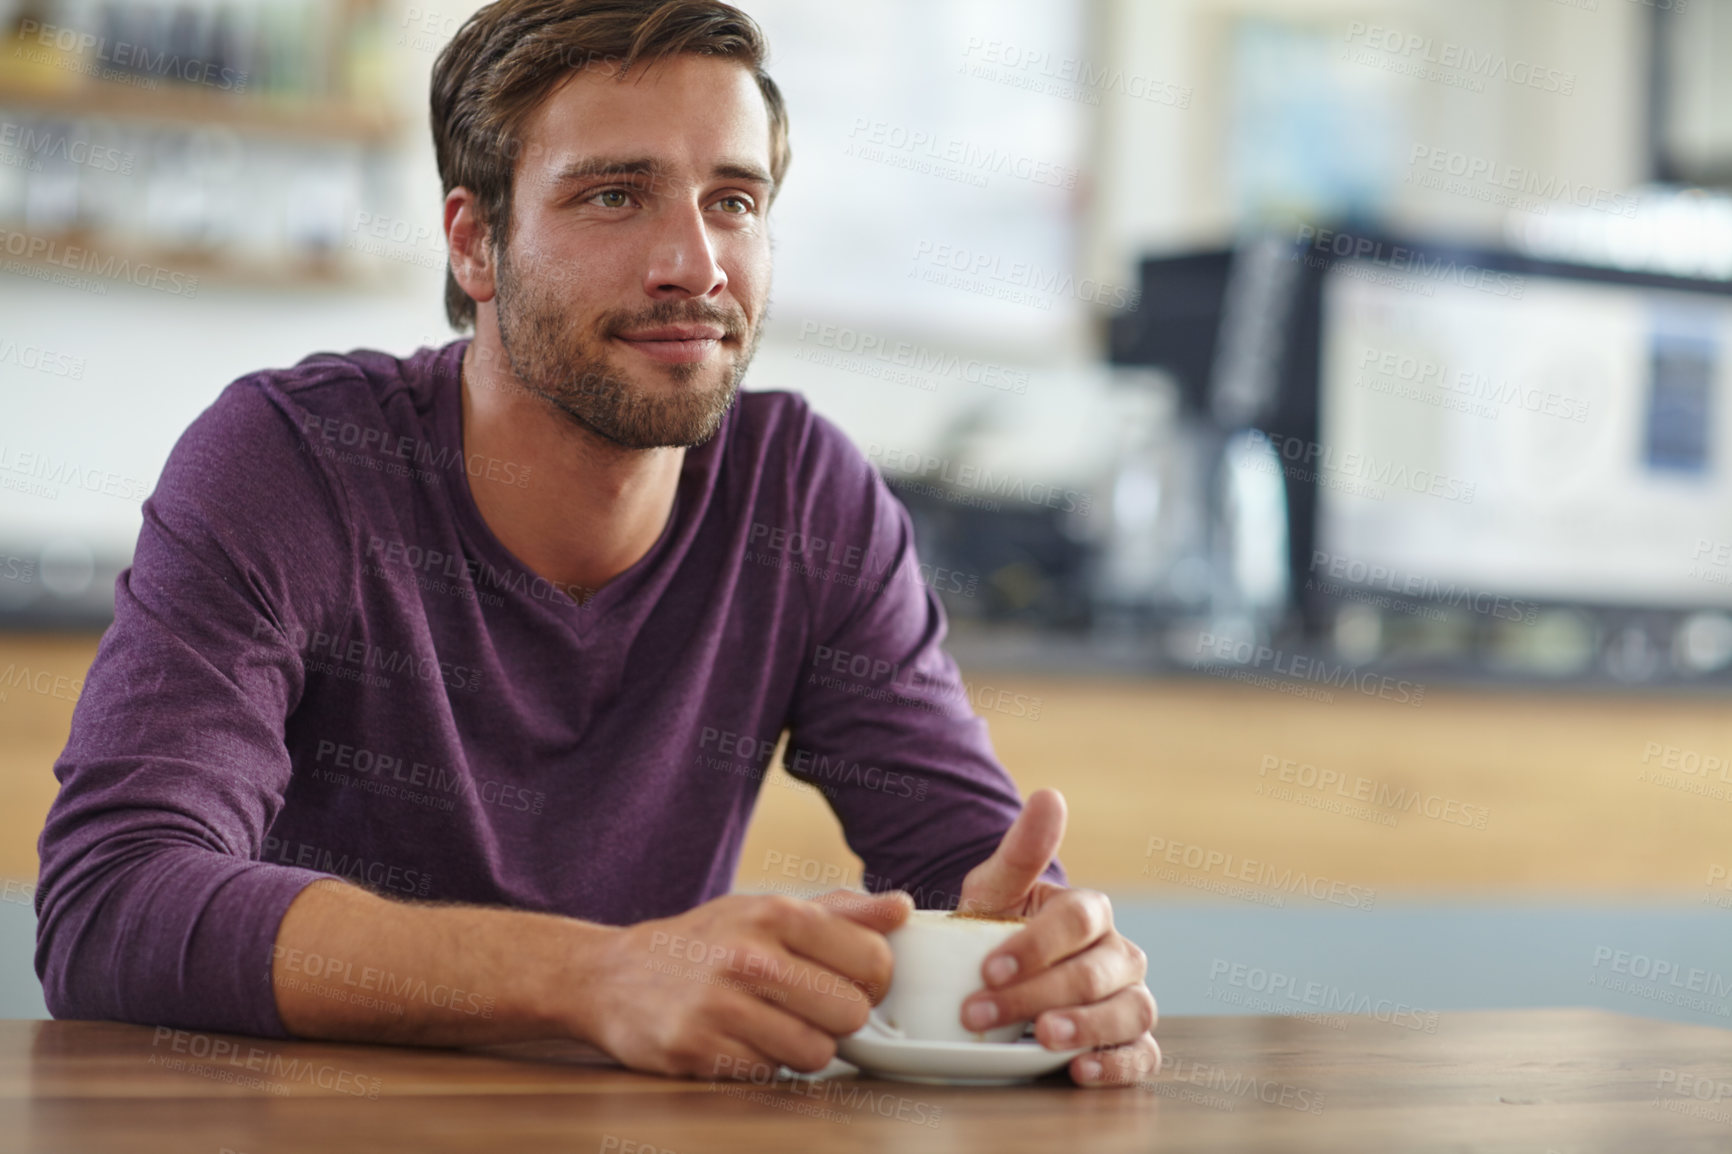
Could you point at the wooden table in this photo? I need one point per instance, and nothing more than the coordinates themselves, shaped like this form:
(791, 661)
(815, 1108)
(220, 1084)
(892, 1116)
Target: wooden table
(1531, 1080)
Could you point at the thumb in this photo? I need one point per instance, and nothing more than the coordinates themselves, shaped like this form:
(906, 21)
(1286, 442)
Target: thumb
(1004, 880)
(882, 912)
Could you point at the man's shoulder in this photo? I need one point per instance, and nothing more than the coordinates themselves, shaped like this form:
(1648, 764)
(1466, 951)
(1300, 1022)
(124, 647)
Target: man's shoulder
(360, 386)
(805, 474)
(282, 433)
(778, 430)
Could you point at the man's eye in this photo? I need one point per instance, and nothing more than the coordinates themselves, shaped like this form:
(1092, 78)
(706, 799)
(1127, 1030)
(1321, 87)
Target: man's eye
(745, 205)
(624, 197)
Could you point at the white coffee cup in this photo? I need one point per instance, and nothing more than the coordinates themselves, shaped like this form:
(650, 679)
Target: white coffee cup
(937, 959)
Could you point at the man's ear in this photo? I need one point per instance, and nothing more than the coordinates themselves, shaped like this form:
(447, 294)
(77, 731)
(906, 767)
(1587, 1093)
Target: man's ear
(467, 239)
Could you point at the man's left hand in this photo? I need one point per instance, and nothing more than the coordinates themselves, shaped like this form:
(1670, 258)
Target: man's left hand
(1068, 969)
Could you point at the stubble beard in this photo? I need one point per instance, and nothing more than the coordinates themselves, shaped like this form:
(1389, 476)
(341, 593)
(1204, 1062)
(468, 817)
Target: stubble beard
(573, 371)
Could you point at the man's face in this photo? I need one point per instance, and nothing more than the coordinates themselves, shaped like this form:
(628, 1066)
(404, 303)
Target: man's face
(631, 292)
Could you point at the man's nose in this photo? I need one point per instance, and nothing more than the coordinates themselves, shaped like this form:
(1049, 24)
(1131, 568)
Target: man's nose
(683, 259)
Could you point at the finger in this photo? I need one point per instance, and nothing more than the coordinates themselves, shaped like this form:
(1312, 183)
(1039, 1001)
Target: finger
(830, 939)
(730, 1059)
(1112, 1021)
(1069, 923)
(1002, 881)
(882, 912)
(1128, 1065)
(1091, 976)
(804, 989)
(781, 1037)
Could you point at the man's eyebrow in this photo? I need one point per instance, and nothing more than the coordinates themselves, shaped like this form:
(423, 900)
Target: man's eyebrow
(737, 170)
(595, 166)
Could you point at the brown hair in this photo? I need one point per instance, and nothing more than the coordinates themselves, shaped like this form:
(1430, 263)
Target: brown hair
(508, 56)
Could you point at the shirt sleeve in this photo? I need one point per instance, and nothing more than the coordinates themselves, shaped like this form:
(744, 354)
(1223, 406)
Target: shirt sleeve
(881, 720)
(152, 903)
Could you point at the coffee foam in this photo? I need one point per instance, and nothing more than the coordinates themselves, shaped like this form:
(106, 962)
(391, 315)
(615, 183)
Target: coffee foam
(964, 922)
(959, 915)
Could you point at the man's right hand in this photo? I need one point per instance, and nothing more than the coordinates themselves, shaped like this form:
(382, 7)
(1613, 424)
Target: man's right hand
(738, 983)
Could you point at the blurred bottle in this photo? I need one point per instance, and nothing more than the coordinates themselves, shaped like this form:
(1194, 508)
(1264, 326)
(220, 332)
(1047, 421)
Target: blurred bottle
(33, 56)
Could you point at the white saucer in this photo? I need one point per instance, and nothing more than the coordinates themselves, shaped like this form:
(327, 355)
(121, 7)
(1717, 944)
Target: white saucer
(951, 1063)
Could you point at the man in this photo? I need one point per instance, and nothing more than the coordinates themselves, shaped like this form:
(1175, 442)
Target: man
(505, 627)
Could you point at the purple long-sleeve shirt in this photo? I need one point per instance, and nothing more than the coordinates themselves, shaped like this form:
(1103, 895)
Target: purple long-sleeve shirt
(324, 663)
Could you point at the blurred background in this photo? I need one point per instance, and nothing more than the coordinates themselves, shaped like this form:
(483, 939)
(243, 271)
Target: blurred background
(1316, 414)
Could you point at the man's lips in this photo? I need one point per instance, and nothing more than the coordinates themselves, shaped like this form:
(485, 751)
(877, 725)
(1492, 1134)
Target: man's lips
(675, 343)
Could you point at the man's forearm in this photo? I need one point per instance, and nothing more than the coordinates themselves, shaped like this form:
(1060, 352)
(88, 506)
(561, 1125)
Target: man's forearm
(353, 966)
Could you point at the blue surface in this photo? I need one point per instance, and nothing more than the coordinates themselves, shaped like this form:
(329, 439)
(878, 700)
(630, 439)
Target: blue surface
(1438, 956)
(20, 992)
(1400, 961)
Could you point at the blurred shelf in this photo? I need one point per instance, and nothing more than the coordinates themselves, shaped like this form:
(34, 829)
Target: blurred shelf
(100, 258)
(1155, 654)
(278, 116)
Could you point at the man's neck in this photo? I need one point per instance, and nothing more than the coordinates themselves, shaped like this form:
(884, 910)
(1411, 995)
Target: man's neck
(577, 509)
